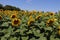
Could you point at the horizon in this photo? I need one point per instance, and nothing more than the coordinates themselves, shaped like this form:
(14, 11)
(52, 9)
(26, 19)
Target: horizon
(38, 5)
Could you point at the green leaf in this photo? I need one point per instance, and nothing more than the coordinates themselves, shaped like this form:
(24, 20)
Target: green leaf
(24, 38)
(7, 35)
(52, 38)
(32, 39)
(36, 32)
(14, 38)
(5, 24)
(30, 31)
(42, 38)
(48, 28)
(42, 24)
(3, 38)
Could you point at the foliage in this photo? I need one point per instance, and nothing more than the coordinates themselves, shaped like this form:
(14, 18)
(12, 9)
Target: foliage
(29, 25)
(9, 7)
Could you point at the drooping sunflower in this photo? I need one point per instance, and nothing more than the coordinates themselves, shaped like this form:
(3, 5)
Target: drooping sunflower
(30, 17)
(16, 22)
(58, 31)
(50, 22)
(37, 17)
(13, 16)
(30, 13)
(31, 21)
(0, 17)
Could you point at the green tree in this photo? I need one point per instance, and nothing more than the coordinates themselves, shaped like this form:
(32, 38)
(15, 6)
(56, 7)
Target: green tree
(1, 6)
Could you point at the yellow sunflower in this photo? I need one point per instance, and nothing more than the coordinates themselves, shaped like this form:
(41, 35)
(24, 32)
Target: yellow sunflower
(30, 17)
(59, 27)
(34, 12)
(54, 19)
(16, 22)
(46, 14)
(51, 14)
(13, 16)
(0, 17)
(38, 17)
(1, 10)
(30, 13)
(58, 30)
(50, 22)
(30, 21)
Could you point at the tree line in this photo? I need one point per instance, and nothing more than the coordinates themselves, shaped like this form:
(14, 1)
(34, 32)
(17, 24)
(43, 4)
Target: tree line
(9, 7)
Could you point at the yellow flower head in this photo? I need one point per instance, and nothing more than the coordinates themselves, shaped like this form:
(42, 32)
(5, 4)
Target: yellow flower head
(31, 20)
(1, 10)
(30, 13)
(13, 16)
(34, 11)
(38, 17)
(0, 17)
(16, 22)
(58, 31)
(54, 19)
(30, 17)
(59, 27)
(46, 14)
(51, 14)
(49, 22)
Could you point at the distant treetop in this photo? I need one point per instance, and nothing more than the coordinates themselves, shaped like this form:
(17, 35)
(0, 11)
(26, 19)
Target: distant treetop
(9, 7)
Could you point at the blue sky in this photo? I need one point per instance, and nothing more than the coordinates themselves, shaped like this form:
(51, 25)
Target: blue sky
(39, 5)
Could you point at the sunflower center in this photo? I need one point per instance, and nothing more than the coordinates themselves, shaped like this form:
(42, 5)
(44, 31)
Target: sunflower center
(31, 22)
(13, 16)
(16, 22)
(38, 17)
(51, 13)
(50, 22)
(0, 18)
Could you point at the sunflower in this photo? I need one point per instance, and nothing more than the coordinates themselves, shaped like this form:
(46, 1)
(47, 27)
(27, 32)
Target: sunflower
(34, 12)
(50, 22)
(7, 12)
(59, 27)
(13, 16)
(16, 22)
(51, 14)
(0, 17)
(46, 14)
(31, 21)
(58, 31)
(1, 10)
(30, 13)
(38, 17)
(30, 17)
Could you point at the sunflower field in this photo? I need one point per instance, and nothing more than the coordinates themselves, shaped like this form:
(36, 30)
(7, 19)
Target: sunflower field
(29, 25)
